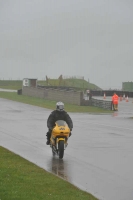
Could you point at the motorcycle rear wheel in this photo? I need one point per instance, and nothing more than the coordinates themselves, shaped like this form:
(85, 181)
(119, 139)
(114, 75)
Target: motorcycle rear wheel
(61, 149)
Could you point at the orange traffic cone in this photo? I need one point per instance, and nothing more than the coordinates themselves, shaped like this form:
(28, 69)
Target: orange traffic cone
(127, 99)
(104, 96)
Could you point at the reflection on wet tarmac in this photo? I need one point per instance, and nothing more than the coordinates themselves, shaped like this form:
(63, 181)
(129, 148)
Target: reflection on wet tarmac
(99, 158)
(115, 114)
(58, 167)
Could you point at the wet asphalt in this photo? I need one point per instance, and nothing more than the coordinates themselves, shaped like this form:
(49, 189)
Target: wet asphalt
(6, 90)
(99, 156)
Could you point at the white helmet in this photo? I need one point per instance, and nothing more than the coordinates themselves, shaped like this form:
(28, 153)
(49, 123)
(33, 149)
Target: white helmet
(60, 106)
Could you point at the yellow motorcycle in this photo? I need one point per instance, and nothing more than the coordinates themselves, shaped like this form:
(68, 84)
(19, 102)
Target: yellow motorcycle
(59, 138)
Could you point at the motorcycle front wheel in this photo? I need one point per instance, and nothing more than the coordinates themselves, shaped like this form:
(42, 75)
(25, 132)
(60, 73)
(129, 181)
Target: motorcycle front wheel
(61, 149)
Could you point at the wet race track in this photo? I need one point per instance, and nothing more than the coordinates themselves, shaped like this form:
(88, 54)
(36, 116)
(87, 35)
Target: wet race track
(99, 156)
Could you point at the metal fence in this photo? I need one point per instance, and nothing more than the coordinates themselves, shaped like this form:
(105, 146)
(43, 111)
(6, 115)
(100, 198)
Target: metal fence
(73, 77)
(111, 92)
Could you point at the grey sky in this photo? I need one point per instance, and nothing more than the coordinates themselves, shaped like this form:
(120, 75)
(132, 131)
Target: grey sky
(90, 38)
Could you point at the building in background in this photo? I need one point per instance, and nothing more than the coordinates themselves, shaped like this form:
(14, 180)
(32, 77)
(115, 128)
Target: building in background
(27, 82)
(127, 86)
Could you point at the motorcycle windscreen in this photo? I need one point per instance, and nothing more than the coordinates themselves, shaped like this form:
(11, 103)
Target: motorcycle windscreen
(61, 123)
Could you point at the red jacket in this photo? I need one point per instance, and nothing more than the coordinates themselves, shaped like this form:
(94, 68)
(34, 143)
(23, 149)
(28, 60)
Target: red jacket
(115, 99)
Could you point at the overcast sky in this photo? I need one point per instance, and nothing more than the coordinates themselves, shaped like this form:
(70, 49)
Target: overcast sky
(90, 38)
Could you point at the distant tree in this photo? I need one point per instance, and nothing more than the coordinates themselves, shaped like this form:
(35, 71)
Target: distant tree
(47, 80)
(60, 79)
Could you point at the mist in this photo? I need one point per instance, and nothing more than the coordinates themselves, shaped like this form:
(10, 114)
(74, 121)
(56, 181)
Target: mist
(90, 38)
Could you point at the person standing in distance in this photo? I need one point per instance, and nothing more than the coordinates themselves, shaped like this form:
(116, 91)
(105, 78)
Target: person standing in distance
(115, 99)
(58, 114)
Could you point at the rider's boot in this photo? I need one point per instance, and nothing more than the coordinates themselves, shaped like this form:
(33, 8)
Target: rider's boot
(48, 138)
(48, 142)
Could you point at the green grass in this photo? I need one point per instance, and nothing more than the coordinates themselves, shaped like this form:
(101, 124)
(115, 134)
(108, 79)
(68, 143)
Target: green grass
(77, 83)
(23, 180)
(50, 104)
(11, 84)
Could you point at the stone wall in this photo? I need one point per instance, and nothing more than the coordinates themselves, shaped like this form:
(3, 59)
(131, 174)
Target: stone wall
(102, 104)
(72, 97)
(66, 96)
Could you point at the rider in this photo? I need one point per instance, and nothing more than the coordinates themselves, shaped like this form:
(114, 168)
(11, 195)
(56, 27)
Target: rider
(58, 114)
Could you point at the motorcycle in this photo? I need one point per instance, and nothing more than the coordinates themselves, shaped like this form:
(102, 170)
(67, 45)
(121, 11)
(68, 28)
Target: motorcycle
(59, 138)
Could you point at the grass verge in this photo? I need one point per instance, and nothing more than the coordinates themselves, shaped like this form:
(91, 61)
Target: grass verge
(21, 179)
(50, 104)
(11, 84)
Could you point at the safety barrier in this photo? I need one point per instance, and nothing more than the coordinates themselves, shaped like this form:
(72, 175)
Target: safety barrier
(111, 92)
(101, 104)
